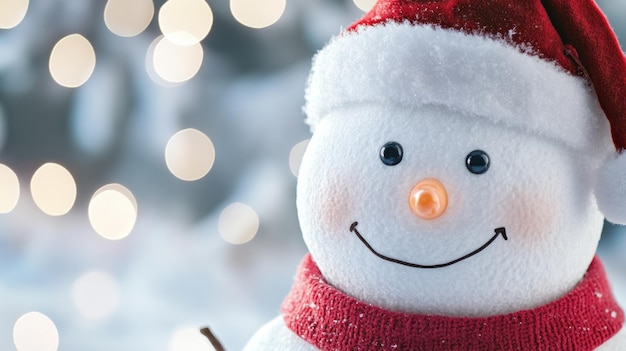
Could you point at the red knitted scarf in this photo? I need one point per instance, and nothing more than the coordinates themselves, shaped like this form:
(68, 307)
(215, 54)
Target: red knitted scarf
(327, 318)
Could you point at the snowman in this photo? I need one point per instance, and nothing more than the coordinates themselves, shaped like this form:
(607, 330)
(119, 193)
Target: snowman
(464, 157)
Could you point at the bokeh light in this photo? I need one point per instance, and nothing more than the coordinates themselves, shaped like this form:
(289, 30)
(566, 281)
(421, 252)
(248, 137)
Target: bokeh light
(364, 5)
(257, 13)
(122, 190)
(112, 211)
(34, 331)
(149, 65)
(295, 156)
(96, 295)
(189, 154)
(53, 189)
(10, 185)
(128, 18)
(176, 63)
(185, 22)
(72, 61)
(189, 339)
(12, 12)
(238, 223)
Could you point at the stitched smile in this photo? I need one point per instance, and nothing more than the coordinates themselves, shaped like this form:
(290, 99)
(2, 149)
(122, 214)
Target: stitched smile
(497, 233)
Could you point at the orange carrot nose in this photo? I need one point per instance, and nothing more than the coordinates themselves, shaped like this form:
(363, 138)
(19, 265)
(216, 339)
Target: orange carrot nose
(428, 199)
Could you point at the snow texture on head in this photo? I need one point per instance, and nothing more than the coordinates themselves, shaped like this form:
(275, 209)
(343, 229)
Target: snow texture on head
(421, 65)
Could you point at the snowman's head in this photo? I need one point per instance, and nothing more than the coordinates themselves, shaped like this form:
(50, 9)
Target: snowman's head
(449, 173)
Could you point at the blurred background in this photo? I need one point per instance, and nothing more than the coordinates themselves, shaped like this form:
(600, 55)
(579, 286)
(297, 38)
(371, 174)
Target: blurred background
(148, 161)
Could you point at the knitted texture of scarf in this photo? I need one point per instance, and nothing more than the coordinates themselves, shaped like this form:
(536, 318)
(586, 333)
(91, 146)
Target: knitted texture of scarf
(582, 320)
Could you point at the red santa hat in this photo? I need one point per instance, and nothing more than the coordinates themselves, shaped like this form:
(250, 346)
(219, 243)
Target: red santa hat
(552, 68)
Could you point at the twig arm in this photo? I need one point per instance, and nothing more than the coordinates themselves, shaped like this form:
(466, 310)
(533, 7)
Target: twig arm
(212, 339)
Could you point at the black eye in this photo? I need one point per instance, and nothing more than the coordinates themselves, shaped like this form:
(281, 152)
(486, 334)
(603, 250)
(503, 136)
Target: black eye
(477, 162)
(391, 153)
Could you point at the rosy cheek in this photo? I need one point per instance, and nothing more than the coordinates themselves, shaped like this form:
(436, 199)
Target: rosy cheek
(335, 206)
(531, 216)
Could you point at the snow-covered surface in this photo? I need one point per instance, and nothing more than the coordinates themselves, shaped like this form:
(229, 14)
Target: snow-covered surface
(174, 270)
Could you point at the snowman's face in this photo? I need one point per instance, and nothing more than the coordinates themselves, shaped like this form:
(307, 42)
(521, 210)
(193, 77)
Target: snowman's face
(519, 229)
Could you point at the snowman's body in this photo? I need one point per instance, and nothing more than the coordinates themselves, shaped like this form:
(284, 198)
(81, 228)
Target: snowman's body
(398, 213)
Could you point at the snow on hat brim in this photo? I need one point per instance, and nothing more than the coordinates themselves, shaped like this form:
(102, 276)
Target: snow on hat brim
(484, 78)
